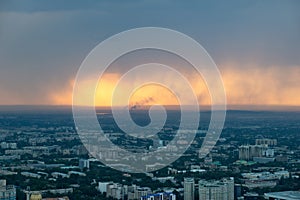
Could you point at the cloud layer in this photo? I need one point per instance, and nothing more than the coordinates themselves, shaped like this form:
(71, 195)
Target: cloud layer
(256, 44)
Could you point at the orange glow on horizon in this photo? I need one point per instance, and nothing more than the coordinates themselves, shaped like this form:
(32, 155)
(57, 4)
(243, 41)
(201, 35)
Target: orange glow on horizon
(244, 86)
(152, 95)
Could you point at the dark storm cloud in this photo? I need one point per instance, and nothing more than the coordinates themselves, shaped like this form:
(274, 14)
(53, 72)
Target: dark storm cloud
(42, 43)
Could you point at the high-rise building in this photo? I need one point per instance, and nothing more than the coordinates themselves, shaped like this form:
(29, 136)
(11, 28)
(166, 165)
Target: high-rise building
(189, 189)
(237, 191)
(247, 152)
(217, 190)
(7, 192)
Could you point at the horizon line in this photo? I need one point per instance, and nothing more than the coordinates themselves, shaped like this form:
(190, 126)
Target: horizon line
(229, 107)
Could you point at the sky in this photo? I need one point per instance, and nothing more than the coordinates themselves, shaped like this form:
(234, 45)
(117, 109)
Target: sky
(255, 44)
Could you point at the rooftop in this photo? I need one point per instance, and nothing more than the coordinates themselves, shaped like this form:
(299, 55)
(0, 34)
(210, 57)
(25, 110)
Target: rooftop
(287, 195)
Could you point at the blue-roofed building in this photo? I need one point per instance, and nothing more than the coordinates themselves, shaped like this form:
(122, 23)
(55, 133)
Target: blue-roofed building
(160, 196)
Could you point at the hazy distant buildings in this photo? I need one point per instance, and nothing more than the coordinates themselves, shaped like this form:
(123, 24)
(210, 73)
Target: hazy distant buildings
(59, 175)
(216, 190)
(30, 174)
(208, 159)
(263, 159)
(265, 141)
(269, 153)
(7, 192)
(189, 187)
(247, 152)
(84, 163)
(281, 158)
(259, 153)
(5, 145)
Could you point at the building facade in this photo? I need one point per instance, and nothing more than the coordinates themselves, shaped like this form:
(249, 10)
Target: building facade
(216, 190)
(7, 192)
(84, 163)
(247, 152)
(189, 189)
(265, 141)
(160, 196)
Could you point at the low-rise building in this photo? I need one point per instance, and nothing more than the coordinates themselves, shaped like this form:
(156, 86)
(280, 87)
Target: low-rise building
(159, 196)
(285, 195)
